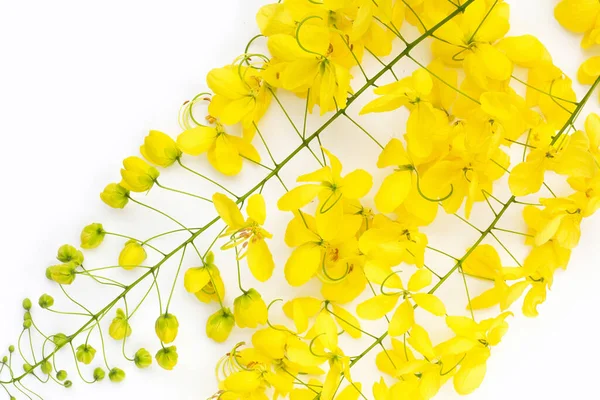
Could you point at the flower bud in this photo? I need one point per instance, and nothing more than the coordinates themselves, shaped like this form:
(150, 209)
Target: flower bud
(4, 359)
(116, 375)
(142, 358)
(92, 236)
(167, 357)
(63, 274)
(166, 327)
(61, 375)
(210, 258)
(219, 325)
(137, 175)
(46, 367)
(132, 255)
(67, 253)
(119, 327)
(27, 304)
(27, 324)
(160, 149)
(27, 367)
(68, 384)
(250, 310)
(85, 354)
(46, 301)
(26, 316)
(60, 339)
(11, 349)
(99, 374)
(115, 195)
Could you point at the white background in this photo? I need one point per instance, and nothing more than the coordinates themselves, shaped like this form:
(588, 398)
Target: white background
(80, 85)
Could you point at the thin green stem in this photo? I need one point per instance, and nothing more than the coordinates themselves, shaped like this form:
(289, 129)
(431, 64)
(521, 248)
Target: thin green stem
(182, 192)
(206, 178)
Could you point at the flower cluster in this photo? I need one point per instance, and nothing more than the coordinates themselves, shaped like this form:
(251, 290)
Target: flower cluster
(487, 110)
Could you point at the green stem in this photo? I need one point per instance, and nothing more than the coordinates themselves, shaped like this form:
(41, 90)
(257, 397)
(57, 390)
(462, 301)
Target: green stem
(206, 178)
(182, 192)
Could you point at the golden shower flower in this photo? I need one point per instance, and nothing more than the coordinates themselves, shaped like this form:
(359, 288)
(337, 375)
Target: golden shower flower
(132, 255)
(580, 16)
(240, 95)
(167, 357)
(250, 310)
(115, 195)
(119, 327)
(331, 189)
(224, 151)
(205, 282)
(68, 253)
(85, 354)
(92, 236)
(159, 149)
(220, 324)
(63, 274)
(137, 175)
(166, 327)
(248, 233)
(142, 358)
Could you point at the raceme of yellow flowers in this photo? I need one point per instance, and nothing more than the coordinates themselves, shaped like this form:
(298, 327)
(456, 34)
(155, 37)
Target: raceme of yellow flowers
(466, 121)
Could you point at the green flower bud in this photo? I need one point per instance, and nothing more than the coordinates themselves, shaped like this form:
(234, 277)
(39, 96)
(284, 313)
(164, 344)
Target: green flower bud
(46, 301)
(27, 304)
(115, 195)
(132, 255)
(210, 258)
(99, 374)
(46, 367)
(220, 324)
(27, 367)
(60, 339)
(119, 327)
(166, 328)
(62, 273)
(68, 253)
(142, 358)
(68, 384)
(116, 375)
(167, 357)
(4, 359)
(27, 324)
(26, 316)
(11, 348)
(85, 354)
(92, 236)
(61, 375)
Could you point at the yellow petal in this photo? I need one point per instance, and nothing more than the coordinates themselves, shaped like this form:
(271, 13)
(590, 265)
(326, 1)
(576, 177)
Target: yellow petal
(393, 154)
(356, 184)
(420, 341)
(228, 211)
(260, 260)
(467, 379)
(577, 15)
(257, 209)
(376, 307)
(347, 322)
(430, 303)
(483, 262)
(402, 320)
(298, 197)
(197, 140)
(419, 280)
(526, 178)
(302, 264)
(393, 191)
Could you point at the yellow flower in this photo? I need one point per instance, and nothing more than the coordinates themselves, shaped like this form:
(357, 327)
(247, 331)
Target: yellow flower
(85, 354)
(331, 189)
(63, 274)
(137, 175)
(166, 327)
(579, 16)
(547, 78)
(167, 357)
(115, 195)
(132, 255)
(220, 324)
(249, 233)
(241, 95)
(142, 358)
(119, 327)
(250, 310)
(473, 340)
(160, 149)
(224, 151)
(205, 282)
(92, 236)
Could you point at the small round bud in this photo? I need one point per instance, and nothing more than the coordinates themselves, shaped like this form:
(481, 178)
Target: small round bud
(4, 360)
(142, 358)
(99, 374)
(85, 354)
(11, 348)
(27, 367)
(68, 253)
(26, 316)
(166, 327)
(61, 375)
(46, 301)
(92, 236)
(167, 357)
(60, 339)
(27, 324)
(119, 327)
(46, 367)
(115, 195)
(116, 375)
(27, 304)
(68, 384)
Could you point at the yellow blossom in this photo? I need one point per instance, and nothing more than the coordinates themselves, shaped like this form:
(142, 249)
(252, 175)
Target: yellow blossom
(137, 175)
(250, 310)
(160, 149)
(132, 255)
